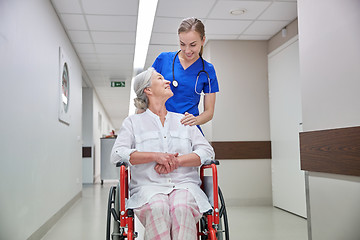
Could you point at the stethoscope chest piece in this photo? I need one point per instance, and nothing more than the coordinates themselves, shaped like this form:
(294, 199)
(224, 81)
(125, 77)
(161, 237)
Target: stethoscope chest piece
(175, 83)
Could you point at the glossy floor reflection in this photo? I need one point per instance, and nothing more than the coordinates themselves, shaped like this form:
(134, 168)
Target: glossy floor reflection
(86, 219)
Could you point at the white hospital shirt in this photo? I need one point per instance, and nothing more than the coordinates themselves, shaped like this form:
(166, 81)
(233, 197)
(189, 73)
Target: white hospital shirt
(145, 133)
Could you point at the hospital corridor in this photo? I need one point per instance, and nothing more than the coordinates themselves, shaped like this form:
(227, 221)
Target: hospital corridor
(85, 220)
(241, 113)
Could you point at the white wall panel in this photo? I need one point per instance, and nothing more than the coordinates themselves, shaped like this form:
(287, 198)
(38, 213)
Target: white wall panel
(329, 64)
(40, 156)
(288, 181)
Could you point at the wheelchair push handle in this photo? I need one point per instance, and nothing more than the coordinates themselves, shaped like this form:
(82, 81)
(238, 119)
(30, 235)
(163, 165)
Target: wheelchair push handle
(121, 163)
(209, 162)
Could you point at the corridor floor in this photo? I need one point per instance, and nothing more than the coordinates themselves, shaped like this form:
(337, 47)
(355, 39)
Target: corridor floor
(86, 219)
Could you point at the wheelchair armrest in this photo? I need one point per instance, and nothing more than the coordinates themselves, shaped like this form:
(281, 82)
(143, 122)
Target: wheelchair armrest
(119, 164)
(209, 162)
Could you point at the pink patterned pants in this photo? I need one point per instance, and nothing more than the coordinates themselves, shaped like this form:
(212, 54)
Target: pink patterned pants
(170, 217)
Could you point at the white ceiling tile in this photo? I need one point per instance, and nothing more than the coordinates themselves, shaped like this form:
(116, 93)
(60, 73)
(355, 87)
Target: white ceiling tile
(226, 26)
(121, 73)
(88, 57)
(67, 6)
(121, 66)
(265, 27)
(184, 8)
(111, 23)
(157, 49)
(280, 11)
(117, 67)
(73, 22)
(114, 7)
(80, 36)
(255, 37)
(164, 38)
(115, 48)
(166, 25)
(116, 57)
(86, 60)
(92, 66)
(99, 84)
(253, 9)
(84, 48)
(113, 37)
(221, 36)
(95, 74)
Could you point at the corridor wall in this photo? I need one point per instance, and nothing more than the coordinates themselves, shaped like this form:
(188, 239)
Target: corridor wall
(40, 156)
(96, 124)
(329, 67)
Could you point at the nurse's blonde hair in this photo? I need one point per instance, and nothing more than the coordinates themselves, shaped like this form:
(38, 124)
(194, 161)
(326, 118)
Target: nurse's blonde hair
(194, 24)
(142, 81)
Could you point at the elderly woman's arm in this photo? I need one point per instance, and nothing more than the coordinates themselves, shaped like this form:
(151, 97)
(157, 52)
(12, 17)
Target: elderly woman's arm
(124, 150)
(187, 160)
(123, 146)
(202, 151)
(168, 160)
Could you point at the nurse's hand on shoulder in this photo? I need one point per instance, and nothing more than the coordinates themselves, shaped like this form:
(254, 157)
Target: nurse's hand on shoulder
(189, 119)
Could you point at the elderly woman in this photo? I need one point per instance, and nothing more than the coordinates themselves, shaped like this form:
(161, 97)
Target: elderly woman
(164, 157)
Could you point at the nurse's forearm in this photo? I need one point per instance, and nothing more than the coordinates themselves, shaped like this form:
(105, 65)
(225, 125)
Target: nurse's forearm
(209, 107)
(204, 117)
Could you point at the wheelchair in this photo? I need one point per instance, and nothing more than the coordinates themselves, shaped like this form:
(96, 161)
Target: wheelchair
(212, 226)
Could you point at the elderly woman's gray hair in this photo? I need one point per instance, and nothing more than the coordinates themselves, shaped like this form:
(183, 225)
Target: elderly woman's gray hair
(142, 81)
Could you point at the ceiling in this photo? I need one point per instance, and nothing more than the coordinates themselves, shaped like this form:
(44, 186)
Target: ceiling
(103, 33)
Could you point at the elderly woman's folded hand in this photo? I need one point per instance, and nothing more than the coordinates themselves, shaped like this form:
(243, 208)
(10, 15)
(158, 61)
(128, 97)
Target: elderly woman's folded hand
(166, 163)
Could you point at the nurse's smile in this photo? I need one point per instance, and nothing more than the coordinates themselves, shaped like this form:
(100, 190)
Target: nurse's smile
(190, 45)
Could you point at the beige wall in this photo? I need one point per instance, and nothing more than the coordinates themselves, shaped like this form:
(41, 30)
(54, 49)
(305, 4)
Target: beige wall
(242, 111)
(278, 39)
(329, 67)
(241, 114)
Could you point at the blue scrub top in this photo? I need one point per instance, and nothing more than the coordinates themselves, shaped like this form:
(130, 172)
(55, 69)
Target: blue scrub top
(185, 99)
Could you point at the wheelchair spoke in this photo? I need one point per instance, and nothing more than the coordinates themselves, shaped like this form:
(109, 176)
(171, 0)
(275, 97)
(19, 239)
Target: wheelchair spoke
(221, 212)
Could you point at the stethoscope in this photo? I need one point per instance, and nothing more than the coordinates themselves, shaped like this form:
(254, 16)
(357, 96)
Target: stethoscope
(176, 83)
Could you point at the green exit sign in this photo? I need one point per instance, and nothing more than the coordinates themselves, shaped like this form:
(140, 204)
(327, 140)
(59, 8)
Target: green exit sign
(117, 84)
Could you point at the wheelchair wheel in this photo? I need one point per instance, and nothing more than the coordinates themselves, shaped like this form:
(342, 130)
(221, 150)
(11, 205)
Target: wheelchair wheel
(223, 230)
(112, 231)
(111, 201)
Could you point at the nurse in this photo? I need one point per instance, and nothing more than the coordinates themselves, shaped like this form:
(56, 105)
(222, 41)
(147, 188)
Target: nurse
(190, 75)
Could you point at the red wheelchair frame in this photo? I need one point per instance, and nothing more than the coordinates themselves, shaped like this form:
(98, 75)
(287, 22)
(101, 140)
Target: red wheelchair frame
(124, 227)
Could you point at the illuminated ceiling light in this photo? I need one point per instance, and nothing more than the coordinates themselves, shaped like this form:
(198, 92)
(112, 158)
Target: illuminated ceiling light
(145, 21)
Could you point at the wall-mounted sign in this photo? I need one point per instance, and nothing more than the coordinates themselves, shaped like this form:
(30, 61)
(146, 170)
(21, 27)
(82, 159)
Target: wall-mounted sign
(117, 84)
